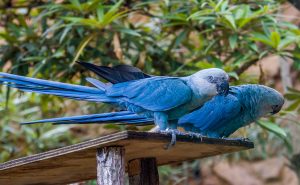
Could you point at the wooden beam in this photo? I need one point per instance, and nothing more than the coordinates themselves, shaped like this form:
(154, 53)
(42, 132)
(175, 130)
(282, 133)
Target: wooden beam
(77, 162)
(143, 172)
(110, 166)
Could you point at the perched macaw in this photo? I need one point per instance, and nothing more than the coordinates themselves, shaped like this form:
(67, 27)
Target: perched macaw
(222, 116)
(219, 117)
(160, 98)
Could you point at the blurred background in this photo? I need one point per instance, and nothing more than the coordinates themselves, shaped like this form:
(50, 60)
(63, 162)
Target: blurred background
(254, 41)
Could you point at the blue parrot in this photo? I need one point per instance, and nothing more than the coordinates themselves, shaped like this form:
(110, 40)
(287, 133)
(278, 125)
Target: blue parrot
(217, 118)
(160, 98)
(222, 116)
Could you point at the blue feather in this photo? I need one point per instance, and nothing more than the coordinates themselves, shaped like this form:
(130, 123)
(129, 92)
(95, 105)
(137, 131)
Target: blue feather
(120, 117)
(55, 88)
(117, 74)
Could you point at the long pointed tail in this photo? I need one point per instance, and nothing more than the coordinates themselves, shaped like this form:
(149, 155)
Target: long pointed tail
(120, 117)
(55, 88)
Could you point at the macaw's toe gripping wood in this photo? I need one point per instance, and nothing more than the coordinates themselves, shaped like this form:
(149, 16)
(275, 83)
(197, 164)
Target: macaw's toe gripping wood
(76, 163)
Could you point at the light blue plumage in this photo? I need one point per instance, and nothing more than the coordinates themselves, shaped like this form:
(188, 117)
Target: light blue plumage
(222, 116)
(160, 98)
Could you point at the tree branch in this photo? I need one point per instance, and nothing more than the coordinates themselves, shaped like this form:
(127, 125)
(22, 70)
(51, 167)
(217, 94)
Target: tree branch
(245, 66)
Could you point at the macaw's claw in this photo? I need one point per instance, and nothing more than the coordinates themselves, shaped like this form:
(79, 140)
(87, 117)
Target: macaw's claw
(194, 134)
(173, 133)
(238, 139)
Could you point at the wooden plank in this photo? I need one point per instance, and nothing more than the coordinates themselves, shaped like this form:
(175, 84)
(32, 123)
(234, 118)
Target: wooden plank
(77, 162)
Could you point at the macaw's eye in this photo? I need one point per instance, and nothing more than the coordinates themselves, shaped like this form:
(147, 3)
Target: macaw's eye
(210, 78)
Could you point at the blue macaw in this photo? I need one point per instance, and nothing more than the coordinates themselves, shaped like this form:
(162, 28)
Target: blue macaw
(160, 98)
(222, 116)
(219, 117)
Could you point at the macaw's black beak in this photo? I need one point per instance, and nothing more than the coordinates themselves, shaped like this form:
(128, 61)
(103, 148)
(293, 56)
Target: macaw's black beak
(276, 109)
(223, 88)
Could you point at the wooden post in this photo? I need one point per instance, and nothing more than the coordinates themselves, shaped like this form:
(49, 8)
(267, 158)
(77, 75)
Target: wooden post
(111, 166)
(143, 172)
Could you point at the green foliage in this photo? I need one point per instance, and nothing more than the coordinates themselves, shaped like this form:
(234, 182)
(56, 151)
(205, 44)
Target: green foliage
(44, 40)
(272, 127)
(294, 96)
(19, 140)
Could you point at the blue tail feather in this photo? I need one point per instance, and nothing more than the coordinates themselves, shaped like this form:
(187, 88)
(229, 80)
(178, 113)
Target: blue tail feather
(121, 117)
(77, 92)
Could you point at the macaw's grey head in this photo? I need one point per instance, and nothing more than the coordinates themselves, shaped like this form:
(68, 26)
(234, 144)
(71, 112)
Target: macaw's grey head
(271, 101)
(216, 77)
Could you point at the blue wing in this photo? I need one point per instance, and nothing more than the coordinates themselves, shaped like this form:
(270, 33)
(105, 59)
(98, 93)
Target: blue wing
(154, 94)
(214, 113)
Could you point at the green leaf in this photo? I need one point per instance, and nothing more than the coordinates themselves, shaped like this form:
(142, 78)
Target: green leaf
(261, 38)
(109, 16)
(64, 33)
(76, 3)
(272, 127)
(275, 37)
(253, 46)
(286, 42)
(233, 41)
(293, 106)
(216, 61)
(100, 13)
(180, 38)
(234, 75)
(204, 65)
(177, 17)
(200, 13)
(217, 6)
(293, 90)
(128, 31)
(292, 96)
(61, 130)
(39, 67)
(229, 20)
(208, 48)
(265, 28)
(108, 19)
(84, 22)
(81, 46)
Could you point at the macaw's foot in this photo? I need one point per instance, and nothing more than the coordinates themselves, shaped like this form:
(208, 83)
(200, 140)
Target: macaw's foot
(173, 133)
(195, 135)
(237, 139)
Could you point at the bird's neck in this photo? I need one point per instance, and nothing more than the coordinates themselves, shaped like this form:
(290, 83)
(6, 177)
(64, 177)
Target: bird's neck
(251, 103)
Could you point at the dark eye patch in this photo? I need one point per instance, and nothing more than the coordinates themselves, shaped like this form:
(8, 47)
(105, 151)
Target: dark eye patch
(210, 79)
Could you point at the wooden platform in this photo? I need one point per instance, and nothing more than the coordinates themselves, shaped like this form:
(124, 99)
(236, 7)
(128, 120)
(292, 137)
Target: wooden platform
(77, 162)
